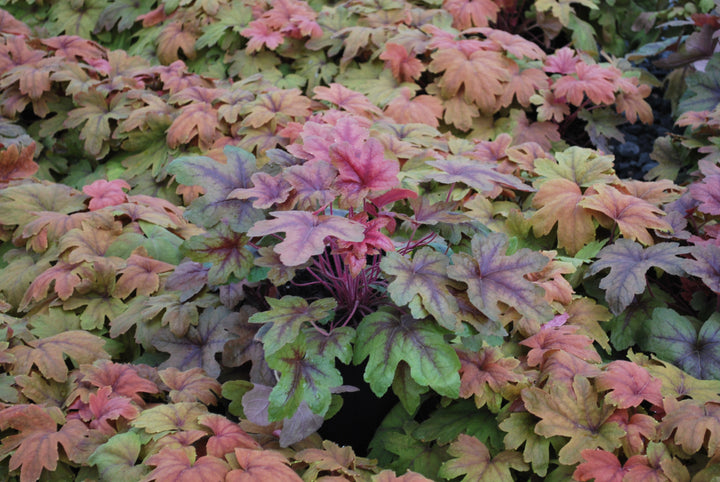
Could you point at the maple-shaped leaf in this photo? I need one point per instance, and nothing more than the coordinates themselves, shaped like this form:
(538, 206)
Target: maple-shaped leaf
(691, 421)
(116, 459)
(95, 112)
(404, 65)
(13, 26)
(600, 466)
(639, 428)
(286, 317)
(257, 465)
(35, 446)
(124, 379)
(633, 216)
(180, 464)
(519, 427)
(659, 463)
(408, 109)
(557, 200)
(471, 458)
(706, 265)
(305, 233)
(573, 411)
(16, 162)
(102, 407)
(676, 339)
(629, 384)
(48, 353)
(585, 167)
(224, 250)
(388, 339)
(493, 277)
(267, 190)
(563, 338)
(140, 274)
(16, 202)
(628, 262)
(303, 378)
(226, 436)
(277, 106)
(334, 459)
(177, 36)
(481, 176)
(218, 180)
(484, 374)
(424, 275)
(199, 119)
(200, 344)
(479, 75)
(182, 416)
(346, 99)
(190, 386)
(103, 193)
(66, 277)
(362, 169)
(312, 183)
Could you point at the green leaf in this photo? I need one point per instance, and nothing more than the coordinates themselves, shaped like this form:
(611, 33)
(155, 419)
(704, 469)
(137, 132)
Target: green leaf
(336, 344)
(234, 390)
(676, 339)
(75, 17)
(95, 112)
(303, 377)
(225, 250)
(286, 317)
(424, 275)
(388, 339)
(520, 430)
(124, 13)
(116, 459)
(218, 180)
(446, 423)
(703, 88)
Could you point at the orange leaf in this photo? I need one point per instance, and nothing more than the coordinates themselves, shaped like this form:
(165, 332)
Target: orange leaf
(404, 65)
(559, 338)
(140, 275)
(179, 465)
(633, 215)
(423, 109)
(17, 163)
(190, 386)
(485, 373)
(261, 466)
(600, 466)
(35, 444)
(226, 437)
(482, 74)
(473, 459)
(176, 36)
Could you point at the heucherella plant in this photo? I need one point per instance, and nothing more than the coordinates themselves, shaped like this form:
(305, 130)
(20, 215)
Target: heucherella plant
(367, 240)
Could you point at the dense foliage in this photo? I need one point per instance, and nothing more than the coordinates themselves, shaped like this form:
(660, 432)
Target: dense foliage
(212, 210)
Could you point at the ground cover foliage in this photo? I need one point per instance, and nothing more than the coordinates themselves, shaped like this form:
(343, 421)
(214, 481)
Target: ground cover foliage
(210, 211)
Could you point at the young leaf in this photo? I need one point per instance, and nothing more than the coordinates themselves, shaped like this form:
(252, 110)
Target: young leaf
(557, 200)
(218, 180)
(181, 416)
(190, 386)
(286, 317)
(472, 459)
(484, 374)
(226, 436)
(600, 466)
(261, 465)
(124, 379)
(48, 353)
(691, 421)
(103, 193)
(628, 262)
(180, 464)
(362, 170)
(17, 163)
(116, 459)
(633, 216)
(35, 446)
(425, 276)
(303, 377)
(573, 411)
(388, 339)
(140, 274)
(630, 384)
(493, 278)
(305, 233)
(101, 407)
(520, 430)
(562, 338)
